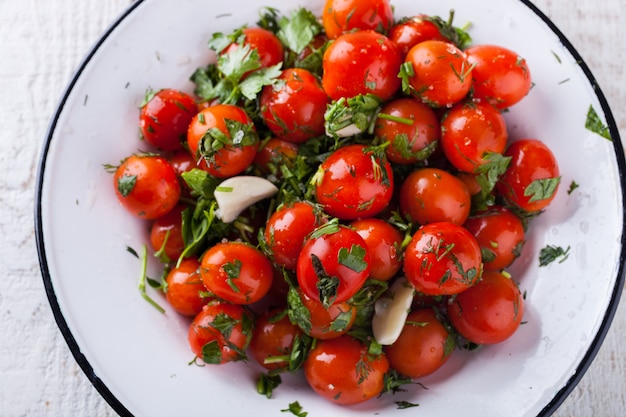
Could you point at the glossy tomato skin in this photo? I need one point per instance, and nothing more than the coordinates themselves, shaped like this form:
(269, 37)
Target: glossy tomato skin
(342, 254)
(408, 33)
(269, 47)
(164, 118)
(208, 339)
(236, 272)
(327, 323)
(146, 186)
(185, 290)
(500, 234)
(273, 154)
(424, 345)
(341, 371)
(166, 233)
(286, 231)
(442, 76)
(442, 259)
(340, 16)
(532, 163)
(430, 195)
(500, 76)
(384, 243)
(353, 182)
(470, 132)
(273, 337)
(489, 312)
(412, 138)
(219, 159)
(363, 62)
(294, 108)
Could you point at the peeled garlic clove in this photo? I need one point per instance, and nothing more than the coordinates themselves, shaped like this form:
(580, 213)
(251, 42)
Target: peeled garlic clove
(350, 130)
(390, 312)
(236, 194)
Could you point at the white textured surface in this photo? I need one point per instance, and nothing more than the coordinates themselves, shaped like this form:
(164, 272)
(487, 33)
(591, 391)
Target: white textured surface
(41, 43)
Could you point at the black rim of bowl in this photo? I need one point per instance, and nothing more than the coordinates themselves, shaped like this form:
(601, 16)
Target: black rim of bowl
(104, 391)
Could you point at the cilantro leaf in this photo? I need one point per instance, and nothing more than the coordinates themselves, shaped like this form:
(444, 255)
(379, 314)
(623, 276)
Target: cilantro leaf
(595, 125)
(298, 31)
(125, 184)
(354, 258)
(541, 189)
(296, 409)
(266, 384)
(552, 253)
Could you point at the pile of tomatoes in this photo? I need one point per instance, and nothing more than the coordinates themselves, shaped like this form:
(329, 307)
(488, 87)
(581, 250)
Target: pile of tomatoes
(386, 143)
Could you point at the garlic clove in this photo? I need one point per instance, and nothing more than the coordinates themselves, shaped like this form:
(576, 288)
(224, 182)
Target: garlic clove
(391, 311)
(236, 194)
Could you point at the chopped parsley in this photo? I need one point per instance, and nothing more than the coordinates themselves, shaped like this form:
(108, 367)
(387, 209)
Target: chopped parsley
(553, 253)
(595, 125)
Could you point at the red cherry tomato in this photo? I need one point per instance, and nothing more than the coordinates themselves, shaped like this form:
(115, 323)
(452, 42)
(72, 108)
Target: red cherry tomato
(501, 77)
(272, 339)
(326, 323)
(164, 118)
(286, 230)
(236, 272)
(489, 312)
(423, 346)
(354, 182)
(166, 233)
(470, 132)
(500, 234)
(442, 259)
(411, 128)
(146, 186)
(273, 154)
(333, 264)
(342, 371)
(294, 108)
(220, 333)
(341, 16)
(363, 62)
(384, 243)
(223, 140)
(185, 290)
(533, 177)
(441, 76)
(269, 47)
(409, 32)
(431, 195)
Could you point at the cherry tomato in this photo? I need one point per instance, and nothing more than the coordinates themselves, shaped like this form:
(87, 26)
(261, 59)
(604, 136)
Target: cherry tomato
(500, 76)
(500, 234)
(220, 333)
(533, 177)
(273, 154)
(164, 118)
(268, 46)
(431, 195)
(166, 233)
(441, 76)
(333, 264)
(342, 371)
(326, 323)
(363, 62)
(223, 140)
(442, 259)
(293, 109)
(384, 244)
(236, 272)
(470, 132)
(341, 16)
(409, 32)
(185, 290)
(272, 339)
(146, 186)
(286, 230)
(423, 346)
(354, 182)
(489, 312)
(411, 128)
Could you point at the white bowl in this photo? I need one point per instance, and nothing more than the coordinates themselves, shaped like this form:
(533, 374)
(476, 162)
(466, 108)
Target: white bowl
(138, 358)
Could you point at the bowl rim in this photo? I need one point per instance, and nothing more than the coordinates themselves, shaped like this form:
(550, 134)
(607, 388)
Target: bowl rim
(117, 405)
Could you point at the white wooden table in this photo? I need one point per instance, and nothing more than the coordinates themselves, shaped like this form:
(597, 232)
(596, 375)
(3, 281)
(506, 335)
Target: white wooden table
(41, 43)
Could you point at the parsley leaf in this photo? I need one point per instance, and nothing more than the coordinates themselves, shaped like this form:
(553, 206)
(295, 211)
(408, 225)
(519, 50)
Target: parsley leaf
(594, 124)
(125, 184)
(266, 384)
(299, 30)
(354, 258)
(296, 409)
(541, 189)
